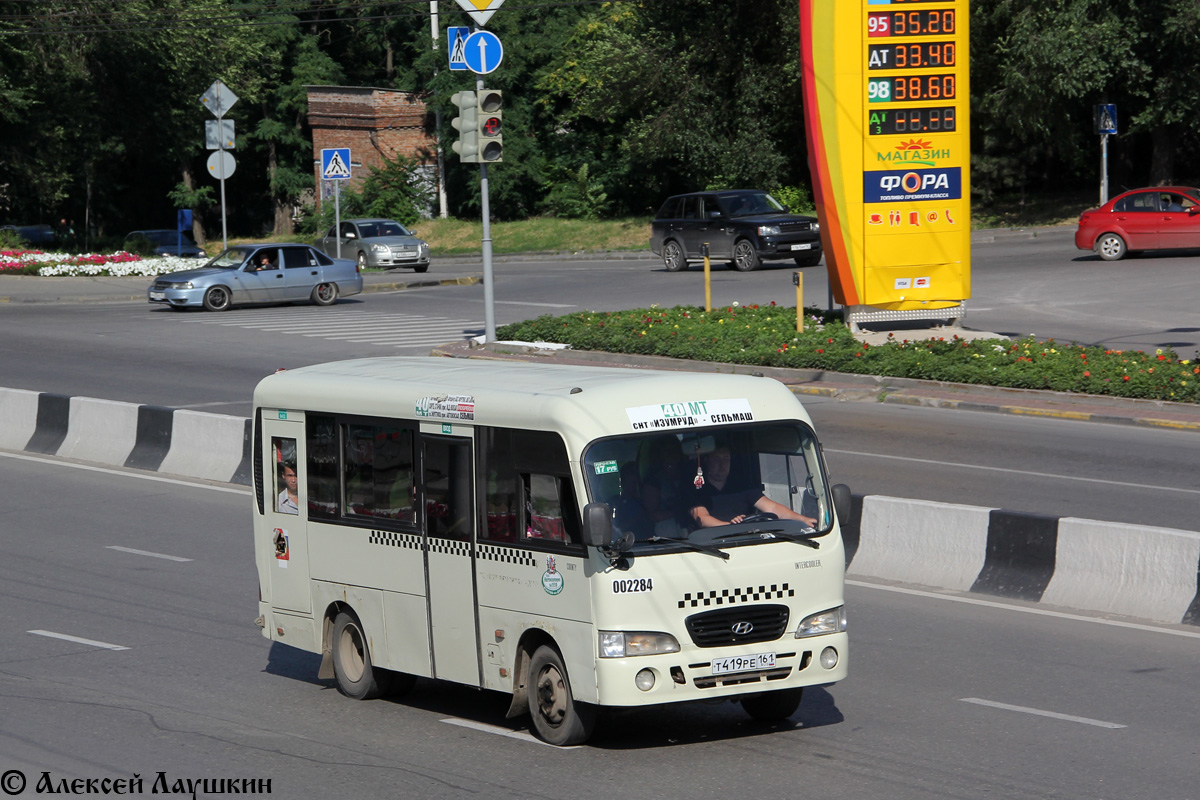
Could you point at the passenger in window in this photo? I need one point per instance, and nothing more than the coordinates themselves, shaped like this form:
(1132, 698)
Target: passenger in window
(288, 500)
(264, 263)
(716, 501)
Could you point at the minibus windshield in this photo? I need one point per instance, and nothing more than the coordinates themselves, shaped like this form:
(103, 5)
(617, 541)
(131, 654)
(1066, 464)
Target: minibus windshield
(722, 486)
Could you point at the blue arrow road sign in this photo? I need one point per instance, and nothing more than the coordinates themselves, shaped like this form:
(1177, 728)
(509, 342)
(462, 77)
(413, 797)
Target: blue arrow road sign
(456, 39)
(335, 163)
(483, 52)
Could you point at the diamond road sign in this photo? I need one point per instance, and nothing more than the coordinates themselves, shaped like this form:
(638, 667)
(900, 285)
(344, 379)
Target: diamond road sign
(218, 99)
(480, 10)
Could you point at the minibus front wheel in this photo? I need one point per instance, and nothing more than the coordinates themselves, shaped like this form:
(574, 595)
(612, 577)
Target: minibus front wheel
(557, 718)
(773, 706)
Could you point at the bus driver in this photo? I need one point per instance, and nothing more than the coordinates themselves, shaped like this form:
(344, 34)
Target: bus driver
(715, 503)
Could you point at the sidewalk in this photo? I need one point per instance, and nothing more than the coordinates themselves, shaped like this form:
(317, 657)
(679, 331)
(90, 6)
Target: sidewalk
(874, 388)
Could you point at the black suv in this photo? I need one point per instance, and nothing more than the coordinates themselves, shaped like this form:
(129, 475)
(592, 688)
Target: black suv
(742, 226)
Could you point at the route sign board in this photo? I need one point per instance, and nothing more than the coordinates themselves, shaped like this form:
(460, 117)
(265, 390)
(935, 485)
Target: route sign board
(335, 163)
(887, 112)
(219, 138)
(218, 99)
(456, 39)
(480, 10)
(483, 52)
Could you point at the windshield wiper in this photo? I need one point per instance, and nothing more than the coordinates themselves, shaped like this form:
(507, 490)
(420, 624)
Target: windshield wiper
(805, 539)
(699, 548)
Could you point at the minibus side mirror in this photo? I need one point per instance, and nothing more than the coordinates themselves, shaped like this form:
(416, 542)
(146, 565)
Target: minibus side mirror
(597, 525)
(841, 501)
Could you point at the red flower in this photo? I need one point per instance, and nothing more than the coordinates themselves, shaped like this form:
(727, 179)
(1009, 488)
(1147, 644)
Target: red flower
(1087, 374)
(1125, 378)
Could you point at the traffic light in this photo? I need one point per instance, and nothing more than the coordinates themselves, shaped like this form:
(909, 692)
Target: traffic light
(491, 126)
(467, 125)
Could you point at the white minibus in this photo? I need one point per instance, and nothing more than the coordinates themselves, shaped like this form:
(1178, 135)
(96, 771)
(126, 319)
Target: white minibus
(580, 538)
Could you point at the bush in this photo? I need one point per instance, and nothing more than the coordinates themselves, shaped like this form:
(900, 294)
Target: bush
(766, 335)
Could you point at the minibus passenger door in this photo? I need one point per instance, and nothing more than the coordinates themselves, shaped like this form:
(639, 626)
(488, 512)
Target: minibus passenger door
(285, 511)
(448, 489)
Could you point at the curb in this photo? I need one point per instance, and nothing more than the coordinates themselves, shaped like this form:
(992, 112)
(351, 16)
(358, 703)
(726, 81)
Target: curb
(1109, 568)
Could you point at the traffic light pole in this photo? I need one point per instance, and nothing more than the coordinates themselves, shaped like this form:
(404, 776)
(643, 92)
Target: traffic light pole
(489, 305)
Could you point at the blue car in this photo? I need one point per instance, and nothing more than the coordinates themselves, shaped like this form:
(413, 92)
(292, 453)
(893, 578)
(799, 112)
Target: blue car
(274, 273)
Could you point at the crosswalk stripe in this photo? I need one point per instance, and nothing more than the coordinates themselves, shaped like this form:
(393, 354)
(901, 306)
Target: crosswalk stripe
(352, 326)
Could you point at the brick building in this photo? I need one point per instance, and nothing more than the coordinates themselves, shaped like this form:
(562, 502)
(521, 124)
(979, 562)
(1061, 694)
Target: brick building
(373, 123)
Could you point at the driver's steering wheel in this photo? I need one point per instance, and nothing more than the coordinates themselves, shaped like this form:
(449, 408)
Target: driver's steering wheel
(763, 517)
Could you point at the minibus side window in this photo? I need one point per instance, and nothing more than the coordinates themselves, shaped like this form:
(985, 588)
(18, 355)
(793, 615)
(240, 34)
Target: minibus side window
(378, 469)
(528, 492)
(322, 456)
(548, 511)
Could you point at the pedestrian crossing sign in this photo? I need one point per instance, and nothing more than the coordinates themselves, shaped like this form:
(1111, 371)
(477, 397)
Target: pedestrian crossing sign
(335, 163)
(457, 37)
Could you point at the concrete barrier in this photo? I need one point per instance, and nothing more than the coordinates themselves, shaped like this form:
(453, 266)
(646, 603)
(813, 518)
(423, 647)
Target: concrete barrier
(205, 445)
(1157, 569)
(1106, 567)
(103, 431)
(18, 418)
(187, 443)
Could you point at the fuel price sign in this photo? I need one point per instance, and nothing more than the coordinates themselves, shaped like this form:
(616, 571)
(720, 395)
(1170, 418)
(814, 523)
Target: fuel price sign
(886, 90)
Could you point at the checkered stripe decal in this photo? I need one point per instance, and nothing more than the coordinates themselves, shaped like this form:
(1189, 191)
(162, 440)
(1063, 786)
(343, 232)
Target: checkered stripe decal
(409, 541)
(451, 547)
(507, 555)
(729, 597)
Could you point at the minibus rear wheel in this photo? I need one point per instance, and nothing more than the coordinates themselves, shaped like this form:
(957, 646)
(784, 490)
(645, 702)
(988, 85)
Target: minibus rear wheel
(773, 706)
(557, 718)
(356, 678)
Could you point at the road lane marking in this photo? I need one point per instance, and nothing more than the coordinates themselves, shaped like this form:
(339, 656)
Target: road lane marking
(523, 736)
(146, 553)
(124, 473)
(522, 303)
(78, 640)
(1101, 481)
(1052, 714)
(1038, 611)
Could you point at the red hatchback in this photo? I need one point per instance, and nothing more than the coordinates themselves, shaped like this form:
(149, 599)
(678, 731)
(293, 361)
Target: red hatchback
(1157, 218)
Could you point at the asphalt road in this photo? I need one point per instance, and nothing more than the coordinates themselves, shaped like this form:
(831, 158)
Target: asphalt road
(948, 697)
(211, 362)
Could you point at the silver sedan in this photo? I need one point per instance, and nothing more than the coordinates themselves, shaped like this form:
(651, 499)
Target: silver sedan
(379, 243)
(276, 273)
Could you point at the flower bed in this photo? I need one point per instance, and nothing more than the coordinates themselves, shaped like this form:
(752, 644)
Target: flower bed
(120, 263)
(767, 335)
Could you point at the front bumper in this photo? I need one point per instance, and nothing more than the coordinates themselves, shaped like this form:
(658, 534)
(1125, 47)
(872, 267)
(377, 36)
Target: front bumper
(171, 296)
(684, 676)
(398, 259)
(784, 246)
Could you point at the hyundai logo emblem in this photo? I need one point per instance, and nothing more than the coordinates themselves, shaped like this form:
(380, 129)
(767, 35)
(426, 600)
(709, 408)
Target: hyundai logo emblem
(742, 628)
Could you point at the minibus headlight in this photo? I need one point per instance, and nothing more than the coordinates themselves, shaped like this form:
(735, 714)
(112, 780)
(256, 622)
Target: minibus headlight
(831, 621)
(619, 644)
